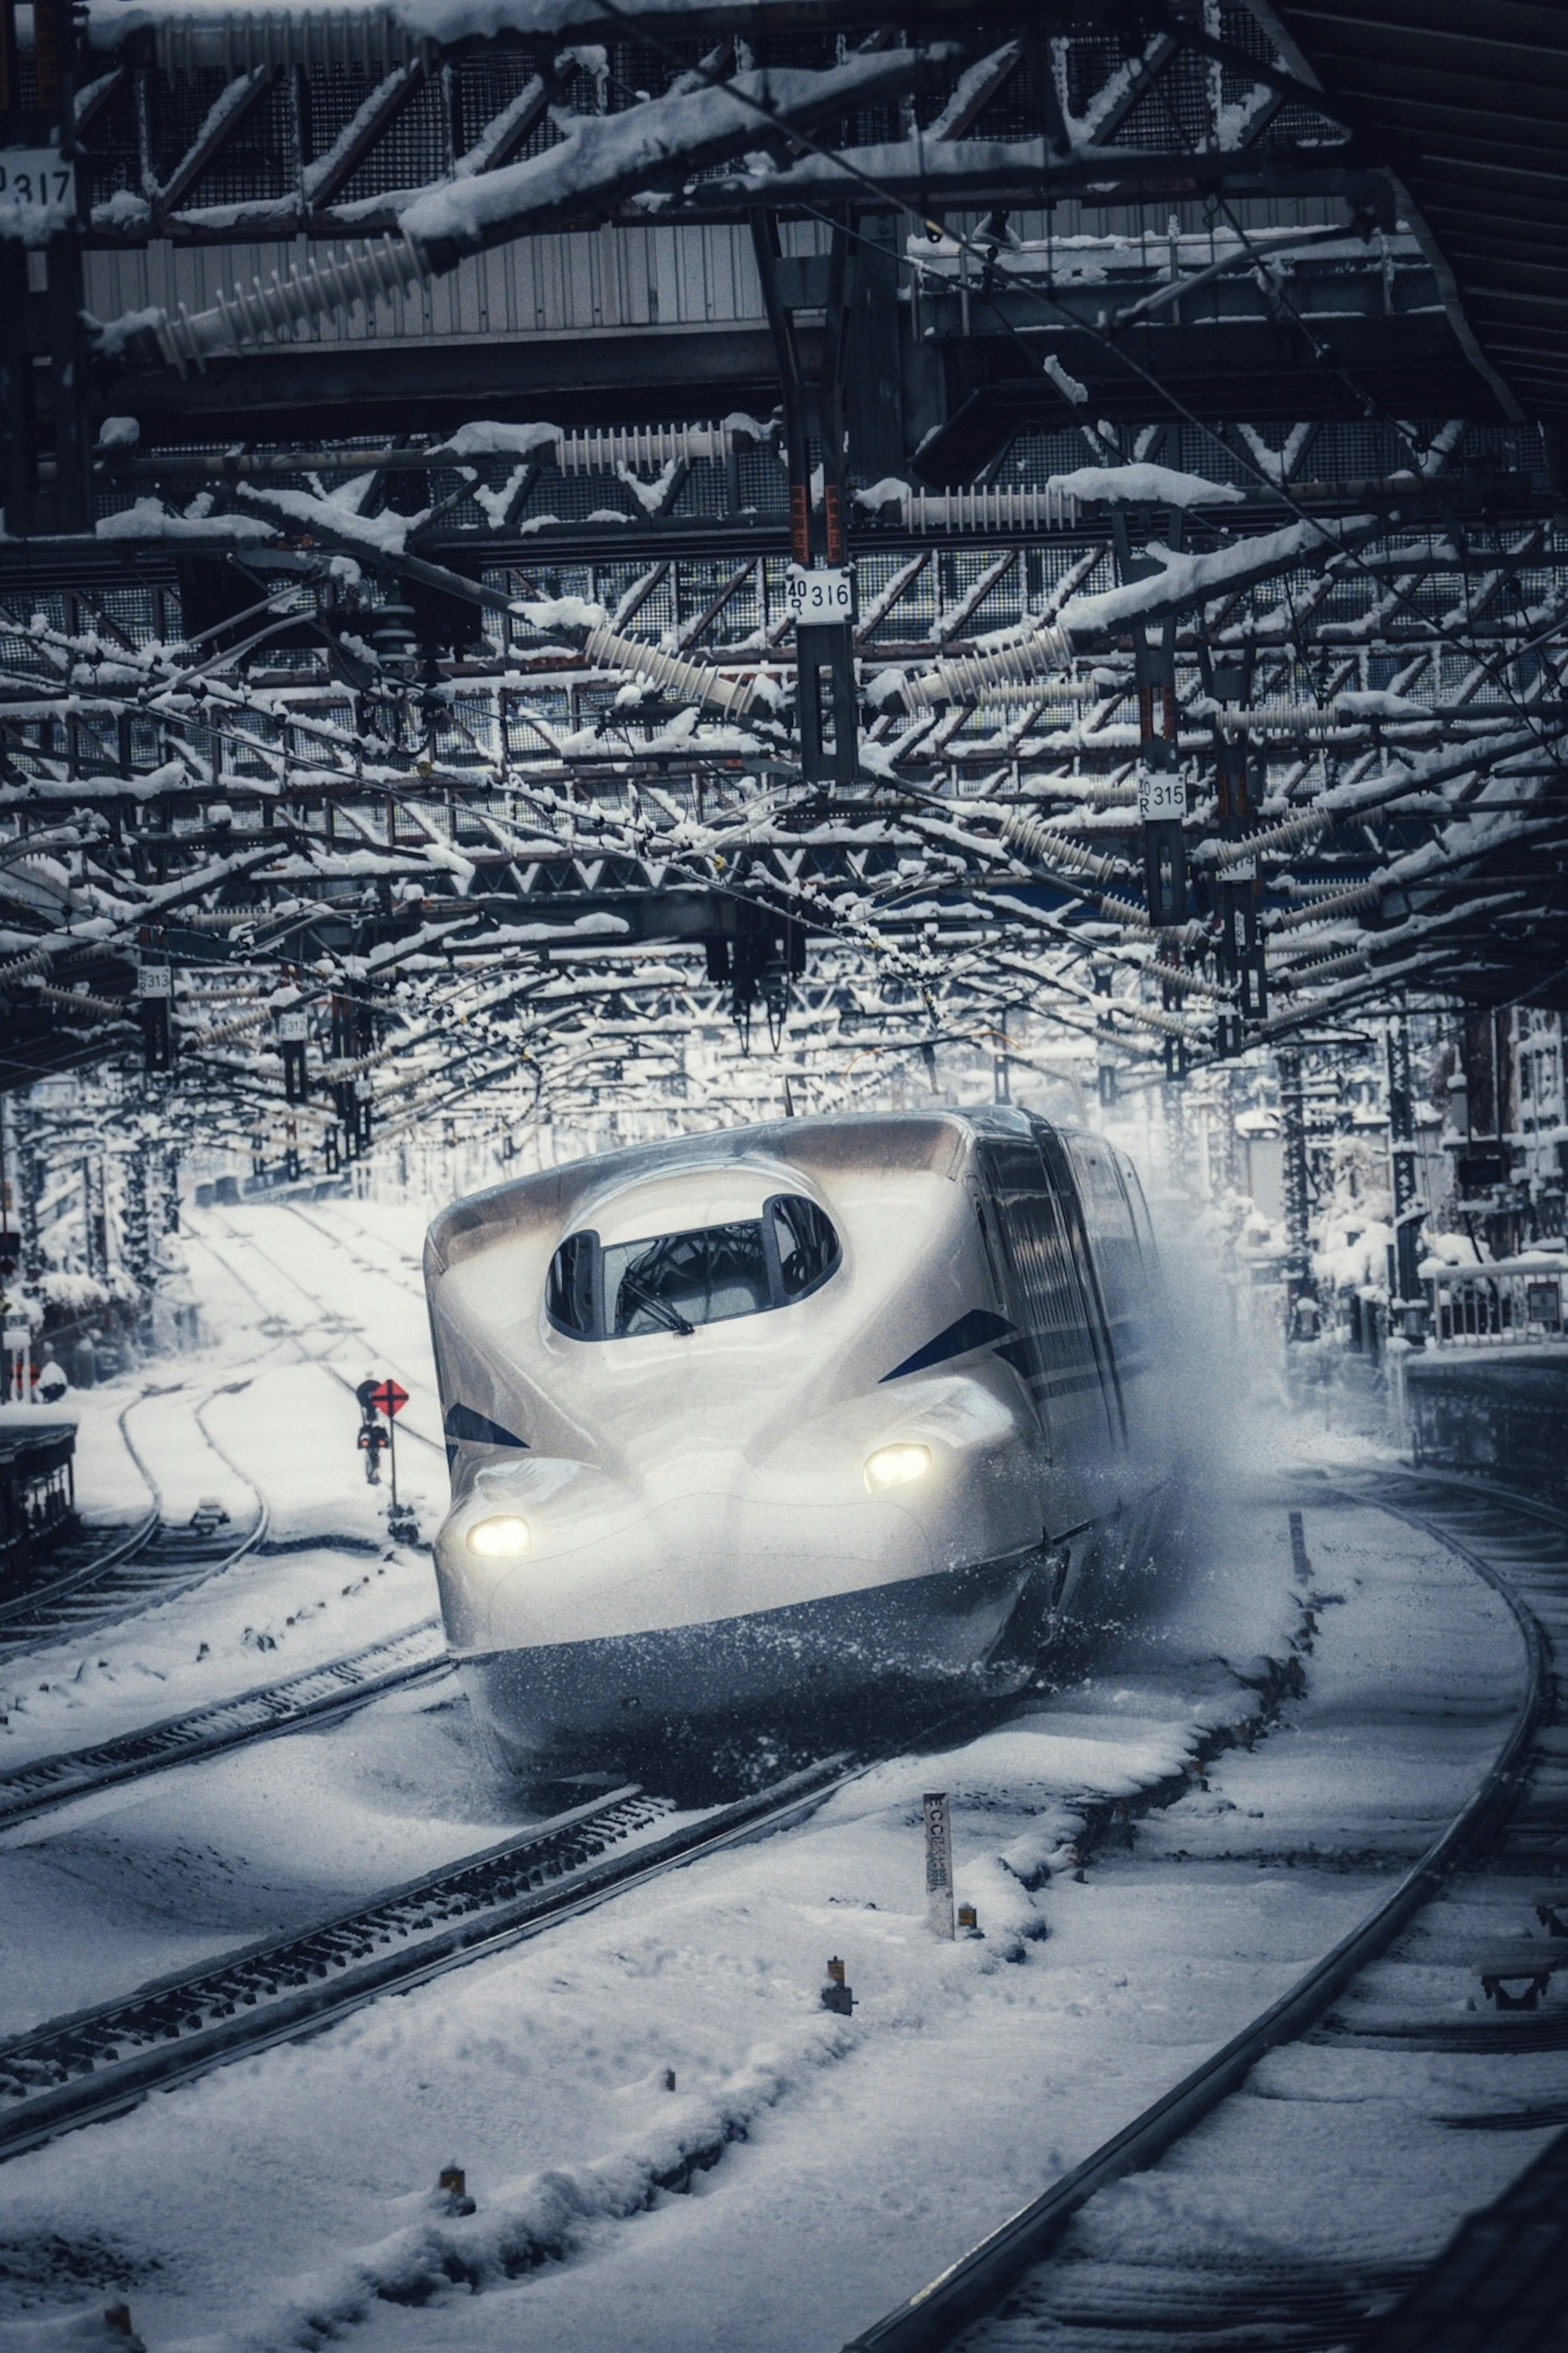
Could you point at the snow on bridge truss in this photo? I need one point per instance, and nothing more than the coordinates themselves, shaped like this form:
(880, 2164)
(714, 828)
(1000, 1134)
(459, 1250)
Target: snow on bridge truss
(425, 675)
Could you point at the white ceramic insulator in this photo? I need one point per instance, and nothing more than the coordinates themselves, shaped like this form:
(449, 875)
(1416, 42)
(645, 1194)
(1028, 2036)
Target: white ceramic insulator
(1031, 837)
(1286, 835)
(1288, 719)
(1031, 654)
(236, 40)
(687, 682)
(1125, 911)
(1337, 903)
(641, 449)
(1033, 506)
(320, 290)
(1292, 975)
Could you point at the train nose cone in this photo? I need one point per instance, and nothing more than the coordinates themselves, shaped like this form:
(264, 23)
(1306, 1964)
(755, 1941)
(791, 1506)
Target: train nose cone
(687, 1539)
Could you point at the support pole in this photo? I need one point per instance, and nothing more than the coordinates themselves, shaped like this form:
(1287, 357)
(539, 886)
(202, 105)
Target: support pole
(1405, 1253)
(824, 652)
(1162, 796)
(1298, 1199)
(1240, 958)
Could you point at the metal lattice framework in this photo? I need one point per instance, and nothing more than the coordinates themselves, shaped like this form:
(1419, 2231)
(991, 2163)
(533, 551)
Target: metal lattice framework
(1204, 683)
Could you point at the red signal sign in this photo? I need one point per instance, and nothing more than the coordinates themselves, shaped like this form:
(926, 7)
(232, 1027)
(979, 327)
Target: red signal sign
(389, 1397)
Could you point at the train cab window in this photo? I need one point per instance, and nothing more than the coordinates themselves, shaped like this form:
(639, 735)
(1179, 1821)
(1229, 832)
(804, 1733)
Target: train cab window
(806, 1244)
(709, 1274)
(679, 1280)
(569, 1292)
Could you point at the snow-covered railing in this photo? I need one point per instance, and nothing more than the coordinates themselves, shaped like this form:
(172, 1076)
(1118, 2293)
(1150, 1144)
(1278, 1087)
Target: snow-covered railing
(1505, 1302)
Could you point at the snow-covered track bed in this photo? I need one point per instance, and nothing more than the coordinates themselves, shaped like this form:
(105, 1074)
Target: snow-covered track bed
(315, 1695)
(76, 2070)
(160, 1557)
(1229, 2212)
(337, 1328)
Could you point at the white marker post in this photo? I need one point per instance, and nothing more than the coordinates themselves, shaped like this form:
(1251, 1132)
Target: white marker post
(939, 1864)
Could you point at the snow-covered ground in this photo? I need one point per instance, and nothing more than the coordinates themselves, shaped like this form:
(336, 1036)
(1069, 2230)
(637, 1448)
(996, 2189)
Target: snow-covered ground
(839, 2160)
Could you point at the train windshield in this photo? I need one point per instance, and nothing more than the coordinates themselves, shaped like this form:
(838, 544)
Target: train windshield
(682, 1280)
(673, 1282)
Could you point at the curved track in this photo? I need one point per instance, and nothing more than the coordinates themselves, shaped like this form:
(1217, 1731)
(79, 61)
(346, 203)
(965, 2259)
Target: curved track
(156, 1560)
(76, 2070)
(152, 1563)
(345, 1326)
(1519, 1548)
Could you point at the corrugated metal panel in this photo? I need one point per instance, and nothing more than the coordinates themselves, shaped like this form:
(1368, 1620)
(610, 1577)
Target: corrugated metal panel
(609, 279)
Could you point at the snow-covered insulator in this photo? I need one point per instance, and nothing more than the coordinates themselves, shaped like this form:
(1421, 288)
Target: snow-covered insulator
(687, 681)
(1021, 506)
(1288, 834)
(1030, 655)
(1334, 968)
(1312, 719)
(1124, 911)
(640, 448)
(1337, 903)
(1034, 836)
(236, 41)
(317, 292)
(1010, 694)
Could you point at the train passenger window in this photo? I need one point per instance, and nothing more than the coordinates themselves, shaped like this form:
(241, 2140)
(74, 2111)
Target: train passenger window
(807, 1243)
(1046, 1286)
(1108, 1212)
(569, 1292)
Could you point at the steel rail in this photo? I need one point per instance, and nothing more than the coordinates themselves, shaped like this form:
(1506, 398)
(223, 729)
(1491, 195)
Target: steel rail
(95, 2063)
(315, 1695)
(935, 2315)
(323, 1357)
(46, 1613)
(82, 2069)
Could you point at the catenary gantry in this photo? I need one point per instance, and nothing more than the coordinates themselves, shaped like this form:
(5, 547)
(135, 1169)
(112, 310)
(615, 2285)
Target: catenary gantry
(426, 410)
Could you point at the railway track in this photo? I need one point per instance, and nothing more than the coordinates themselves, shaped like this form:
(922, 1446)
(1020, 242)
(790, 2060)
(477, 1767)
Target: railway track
(136, 1570)
(76, 2070)
(315, 1696)
(1026, 2285)
(344, 1326)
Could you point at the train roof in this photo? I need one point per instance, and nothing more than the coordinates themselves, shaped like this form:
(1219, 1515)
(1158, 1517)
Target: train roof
(935, 1139)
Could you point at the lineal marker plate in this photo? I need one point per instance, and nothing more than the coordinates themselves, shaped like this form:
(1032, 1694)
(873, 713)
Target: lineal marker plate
(1160, 796)
(820, 595)
(37, 190)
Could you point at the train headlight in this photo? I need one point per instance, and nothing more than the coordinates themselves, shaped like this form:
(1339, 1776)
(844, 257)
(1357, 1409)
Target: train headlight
(503, 1538)
(890, 1466)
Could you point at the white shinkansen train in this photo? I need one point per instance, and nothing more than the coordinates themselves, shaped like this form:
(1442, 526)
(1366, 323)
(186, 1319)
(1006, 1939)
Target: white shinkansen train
(789, 1421)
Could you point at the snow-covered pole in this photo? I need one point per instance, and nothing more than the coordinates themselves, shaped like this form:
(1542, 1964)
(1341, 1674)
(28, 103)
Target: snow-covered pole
(1405, 1286)
(1241, 950)
(1293, 1126)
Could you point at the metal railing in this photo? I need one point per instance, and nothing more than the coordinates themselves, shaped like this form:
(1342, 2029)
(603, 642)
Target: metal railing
(1512, 1302)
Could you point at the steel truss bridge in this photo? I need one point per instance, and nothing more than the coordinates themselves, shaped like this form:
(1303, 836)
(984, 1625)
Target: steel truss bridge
(539, 533)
